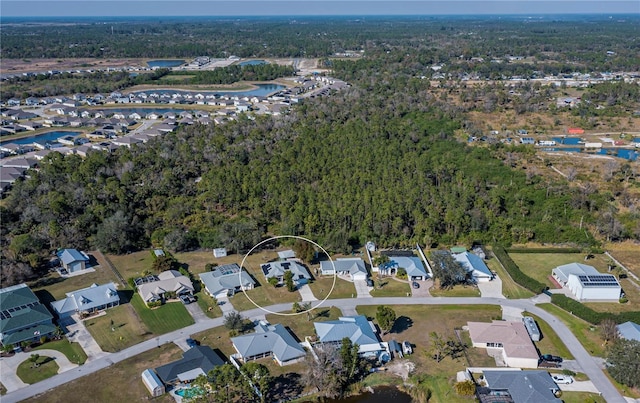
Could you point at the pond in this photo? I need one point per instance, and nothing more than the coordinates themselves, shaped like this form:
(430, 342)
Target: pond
(47, 137)
(252, 63)
(261, 91)
(624, 153)
(165, 63)
(568, 140)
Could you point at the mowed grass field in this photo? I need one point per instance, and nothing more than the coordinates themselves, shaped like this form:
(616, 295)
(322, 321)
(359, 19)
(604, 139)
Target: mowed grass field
(628, 254)
(390, 288)
(73, 351)
(550, 342)
(321, 286)
(29, 373)
(540, 265)
(510, 289)
(120, 382)
(127, 329)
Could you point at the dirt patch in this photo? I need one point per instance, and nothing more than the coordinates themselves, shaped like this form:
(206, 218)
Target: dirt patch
(401, 368)
(34, 65)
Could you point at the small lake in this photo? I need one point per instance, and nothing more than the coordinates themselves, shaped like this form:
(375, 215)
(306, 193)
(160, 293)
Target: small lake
(165, 63)
(262, 91)
(631, 155)
(571, 141)
(252, 63)
(383, 394)
(47, 137)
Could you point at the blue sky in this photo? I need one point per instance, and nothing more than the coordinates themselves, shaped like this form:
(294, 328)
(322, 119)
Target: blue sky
(55, 8)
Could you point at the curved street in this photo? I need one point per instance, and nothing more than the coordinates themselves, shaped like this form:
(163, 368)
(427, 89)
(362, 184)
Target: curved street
(582, 357)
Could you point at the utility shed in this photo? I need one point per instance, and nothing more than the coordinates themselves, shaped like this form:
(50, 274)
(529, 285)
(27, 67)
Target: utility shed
(532, 328)
(153, 383)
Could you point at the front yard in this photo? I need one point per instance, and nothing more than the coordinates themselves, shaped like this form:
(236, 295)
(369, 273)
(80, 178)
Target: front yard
(120, 382)
(163, 319)
(30, 373)
(390, 287)
(118, 329)
(322, 284)
(72, 351)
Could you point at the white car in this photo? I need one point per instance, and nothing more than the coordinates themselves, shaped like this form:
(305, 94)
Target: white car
(562, 379)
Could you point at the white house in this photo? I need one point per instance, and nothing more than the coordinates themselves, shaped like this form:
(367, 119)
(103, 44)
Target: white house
(277, 270)
(478, 269)
(169, 281)
(91, 299)
(269, 340)
(587, 283)
(412, 264)
(226, 280)
(510, 338)
(352, 267)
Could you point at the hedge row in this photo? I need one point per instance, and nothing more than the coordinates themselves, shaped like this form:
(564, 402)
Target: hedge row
(545, 250)
(584, 312)
(514, 271)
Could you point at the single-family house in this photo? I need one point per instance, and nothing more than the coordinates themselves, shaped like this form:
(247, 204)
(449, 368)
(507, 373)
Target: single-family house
(153, 384)
(354, 268)
(73, 260)
(170, 284)
(474, 265)
(511, 339)
(196, 361)
(87, 300)
(357, 328)
(411, 264)
(226, 280)
(268, 340)
(529, 386)
(22, 316)
(277, 270)
(587, 283)
(629, 331)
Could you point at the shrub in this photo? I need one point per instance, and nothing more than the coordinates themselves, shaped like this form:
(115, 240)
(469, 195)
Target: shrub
(623, 300)
(584, 312)
(516, 274)
(465, 388)
(154, 304)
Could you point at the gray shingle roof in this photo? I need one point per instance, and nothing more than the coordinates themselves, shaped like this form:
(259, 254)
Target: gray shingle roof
(524, 386)
(269, 338)
(197, 357)
(356, 328)
(226, 278)
(412, 264)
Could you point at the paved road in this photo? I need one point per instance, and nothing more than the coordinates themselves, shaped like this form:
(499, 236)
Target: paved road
(582, 357)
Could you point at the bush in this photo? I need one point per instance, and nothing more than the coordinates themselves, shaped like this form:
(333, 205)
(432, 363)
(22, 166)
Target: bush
(132, 282)
(154, 304)
(584, 312)
(623, 300)
(516, 274)
(465, 388)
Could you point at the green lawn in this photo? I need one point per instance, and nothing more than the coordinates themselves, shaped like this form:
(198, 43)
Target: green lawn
(72, 351)
(390, 288)
(321, 286)
(164, 319)
(46, 369)
(118, 329)
(539, 265)
(456, 291)
(581, 397)
(120, 382)
(208, 305)
(510, 289)
(3, 390)
(586, 333)
(300, 325)
(550, 342)
(132, 264)
(216, 338)
(633, 303)
(627, 255)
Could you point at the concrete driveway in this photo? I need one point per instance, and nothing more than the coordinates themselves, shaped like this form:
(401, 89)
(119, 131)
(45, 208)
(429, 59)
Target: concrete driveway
(491, 289)
(196, 312)
(362, 289)
(9, 365)
(77, 332)
(423, 289)
(306, 293)
(582, 386)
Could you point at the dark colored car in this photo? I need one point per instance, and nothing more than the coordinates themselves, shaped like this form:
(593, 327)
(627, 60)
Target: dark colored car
(551, 358)
(369, 282)
(415, 284)
(191, 343)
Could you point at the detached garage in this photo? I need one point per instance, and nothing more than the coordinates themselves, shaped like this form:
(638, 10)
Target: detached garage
(601, 287)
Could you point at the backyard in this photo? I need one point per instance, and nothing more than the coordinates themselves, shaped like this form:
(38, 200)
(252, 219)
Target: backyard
(120, 382)
(539, 265)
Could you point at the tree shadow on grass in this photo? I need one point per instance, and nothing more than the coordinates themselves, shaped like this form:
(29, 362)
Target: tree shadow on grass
(125, 296)
(401, 324)
(286, 386)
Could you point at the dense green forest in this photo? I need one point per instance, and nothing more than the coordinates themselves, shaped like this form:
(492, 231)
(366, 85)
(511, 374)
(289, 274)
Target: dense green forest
(377, 161)
(556, 45)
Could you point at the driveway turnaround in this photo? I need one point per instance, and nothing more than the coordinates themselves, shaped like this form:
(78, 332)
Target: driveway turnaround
(589, 366)
(8, 366)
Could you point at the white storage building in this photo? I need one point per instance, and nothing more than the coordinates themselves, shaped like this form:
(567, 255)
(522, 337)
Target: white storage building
(601, 287)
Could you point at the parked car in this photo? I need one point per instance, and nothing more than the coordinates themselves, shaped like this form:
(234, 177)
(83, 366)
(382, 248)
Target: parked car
(552, 358)
(406, 348)
(415, 284)
(562, 379)
(185, 299)
(191, 343)
(369, 282)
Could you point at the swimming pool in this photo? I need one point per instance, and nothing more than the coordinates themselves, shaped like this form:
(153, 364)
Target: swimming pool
(190, 392)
